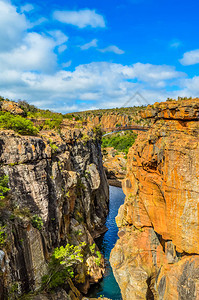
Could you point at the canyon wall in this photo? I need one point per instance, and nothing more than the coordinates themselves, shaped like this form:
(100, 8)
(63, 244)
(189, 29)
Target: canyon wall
(157, 254)
(111, 120)
(58, 194)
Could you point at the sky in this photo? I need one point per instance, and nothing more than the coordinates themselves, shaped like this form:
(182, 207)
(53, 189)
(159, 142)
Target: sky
(84, 54)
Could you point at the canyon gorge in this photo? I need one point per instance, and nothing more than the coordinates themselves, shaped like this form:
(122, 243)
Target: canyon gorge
(57, 194)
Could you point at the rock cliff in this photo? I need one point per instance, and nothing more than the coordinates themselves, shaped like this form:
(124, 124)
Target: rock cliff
(58, 194)
(157, 255)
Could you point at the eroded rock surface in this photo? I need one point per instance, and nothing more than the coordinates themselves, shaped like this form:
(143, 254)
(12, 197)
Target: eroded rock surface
(156, 256)
(60, 179)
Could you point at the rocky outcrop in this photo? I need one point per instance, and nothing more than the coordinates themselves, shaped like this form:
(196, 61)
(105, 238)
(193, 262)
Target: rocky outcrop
(58, 195)
(10, 106)
(156, 256)
(114, 163)
(113, 119)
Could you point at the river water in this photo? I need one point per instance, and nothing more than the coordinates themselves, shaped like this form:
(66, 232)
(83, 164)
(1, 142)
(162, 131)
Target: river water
(108, 287)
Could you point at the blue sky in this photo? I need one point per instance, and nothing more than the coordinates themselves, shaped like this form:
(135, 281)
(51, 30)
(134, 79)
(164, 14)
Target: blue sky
(83, 54)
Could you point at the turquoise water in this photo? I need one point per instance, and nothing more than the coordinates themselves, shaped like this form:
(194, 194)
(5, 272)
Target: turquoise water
(108, 287)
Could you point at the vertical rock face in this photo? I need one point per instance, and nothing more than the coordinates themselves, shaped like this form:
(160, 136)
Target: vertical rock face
(156, 256)
(61, 180)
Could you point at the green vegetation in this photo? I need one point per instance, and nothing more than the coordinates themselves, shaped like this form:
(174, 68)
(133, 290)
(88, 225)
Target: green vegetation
(3, 235)
(98, 253)
(98, 258)
(130, 111)
(17, 123)
(4, 189)
(62, 264)
(92, 248)
(119, 141)
(37, 222)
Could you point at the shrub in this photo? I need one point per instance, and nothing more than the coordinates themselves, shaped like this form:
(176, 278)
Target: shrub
(26, 107)
(121, 143)
(92, 248)
(37, 222)
(3, 235)
(4, 189)
(17, 123)
(61, 265)
(52, 124)
(98, 258)
(97, 132)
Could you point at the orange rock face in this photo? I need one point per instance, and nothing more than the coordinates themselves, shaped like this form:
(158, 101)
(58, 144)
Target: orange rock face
(11, 107)
(114, 163)
(161, 209)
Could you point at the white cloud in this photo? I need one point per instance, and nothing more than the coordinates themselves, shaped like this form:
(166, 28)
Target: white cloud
(59, 37)
(155, 74)
(80, 18)
(190, 86)
(35, 53)
(92, 43)
(67, 64)
(30, 69)
(13, 26)
(190, 58)
(113, 49)
(62, 48)
(27, 7)
(100, 83)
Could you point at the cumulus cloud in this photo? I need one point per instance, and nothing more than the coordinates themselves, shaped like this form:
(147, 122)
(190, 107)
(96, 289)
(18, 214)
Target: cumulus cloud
(190, 58)
(157, 75)
(113, 49)
(91, 44)
(80, 18)
(102, 84)
(13, 26)
(35, 53)
(31, 70)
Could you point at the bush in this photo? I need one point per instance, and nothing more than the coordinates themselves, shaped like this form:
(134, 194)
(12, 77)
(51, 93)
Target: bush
(17, 123)
(61, 265)
(120, 142)
(4, 186)
(3, 235)
(26, 107)
(37, 222)
(52, 124)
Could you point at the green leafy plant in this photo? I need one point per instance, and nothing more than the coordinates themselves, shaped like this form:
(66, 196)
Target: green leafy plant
(78, 232)
(3, 235)
(17, 123)
(53, 147)
(37, 222)
(62, 264)
(92, 248)
(98, 258)
(4, 189)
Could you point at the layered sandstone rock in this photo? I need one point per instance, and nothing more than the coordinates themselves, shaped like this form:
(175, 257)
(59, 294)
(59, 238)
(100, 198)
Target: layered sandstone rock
(60, 179)
(156, 256)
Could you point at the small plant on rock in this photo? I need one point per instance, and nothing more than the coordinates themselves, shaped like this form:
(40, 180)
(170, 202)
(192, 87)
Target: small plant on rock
(37, 222)
(62, 264)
